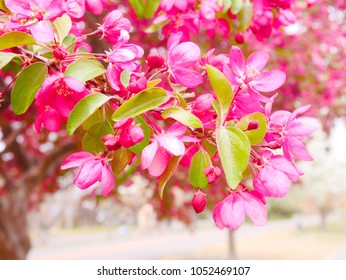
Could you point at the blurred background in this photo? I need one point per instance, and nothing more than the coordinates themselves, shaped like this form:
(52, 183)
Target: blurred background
(43, 216)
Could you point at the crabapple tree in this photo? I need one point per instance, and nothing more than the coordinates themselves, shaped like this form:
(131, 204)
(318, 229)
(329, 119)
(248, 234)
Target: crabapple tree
(166, 89)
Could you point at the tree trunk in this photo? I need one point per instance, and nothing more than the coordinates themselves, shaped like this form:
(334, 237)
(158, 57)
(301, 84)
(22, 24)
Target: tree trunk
(14, 237)
(231, 244)
(323, 216)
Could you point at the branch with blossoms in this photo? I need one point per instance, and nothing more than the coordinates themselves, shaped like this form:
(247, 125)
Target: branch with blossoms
(157, 110)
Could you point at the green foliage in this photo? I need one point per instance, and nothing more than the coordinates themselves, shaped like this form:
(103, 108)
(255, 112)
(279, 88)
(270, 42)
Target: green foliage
(84, 109)
(167, 174)
(182, 116)
(84, 70)
(234, 151)
(200, 161)
(62, 26)
(27, 85)
(138, 148)
(92, 140)
(245, 16)
(6, 57)
(145, 8)
(140, 103)
(222, 89)
(121, 158)
(256, 135)
(15, 39)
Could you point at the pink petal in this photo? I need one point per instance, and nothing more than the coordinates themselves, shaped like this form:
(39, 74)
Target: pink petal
(303, 126)
(42, 32)
(74, 84)
(282, 164)
(237, 61)
(75, 8)
(231, 214)
(269, 81)
(188, 78)
(172, 144)
(299, 111)
(158, 164)
(176, 129)
(107, 180)
(76, 159)
(257, 60)
(148, 154)
(175, 38)
(50, 119)
(184, 55)
(89, 174)
(271, 182)
(18, 6)
(254, 209)
(297, 149)
(230, 76)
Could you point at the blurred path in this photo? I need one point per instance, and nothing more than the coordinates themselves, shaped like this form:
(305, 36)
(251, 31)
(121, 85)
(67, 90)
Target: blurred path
(340, 254)
(170, 242)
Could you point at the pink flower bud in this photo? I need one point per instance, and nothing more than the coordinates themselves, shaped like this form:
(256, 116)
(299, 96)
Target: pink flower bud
(115, 27)
(138, 82)
(239, 38)
(136, 134)
(212, 173)
(124, 123)
(111, 142)
(199, 201)
(155, 60)
(59, 52)
(254, 124)
(202, 103)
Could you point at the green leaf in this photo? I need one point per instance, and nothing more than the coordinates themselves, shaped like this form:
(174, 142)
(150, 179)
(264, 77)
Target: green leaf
(84, 70)
(216, 107)
(85, 108)
(222, 89)
(172, 166)
(93, 119)
(245, 16)
(234, 151)
(92, 139)
(121, 158)
(200, 161)
(70, 42)
(236, 6)
(3, 6)
(145, 8)
(142, 102)
(182, 116)
(226, 5)
(125, 77)
(255, 135)
(14, 39)
(138, 148)
(6, 57)
(26, 87)
(62, 26)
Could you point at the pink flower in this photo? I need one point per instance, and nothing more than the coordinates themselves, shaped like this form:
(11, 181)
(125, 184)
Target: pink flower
(230, 212)
(115, 27)
(249, 74)
(273, 179)
(288, 130)
(212, 173)
(155, 156)
(199, 201)
(34, 14)
(180, 57)
(55, 101)
(92, 169)
(94, 6)
(74, 8)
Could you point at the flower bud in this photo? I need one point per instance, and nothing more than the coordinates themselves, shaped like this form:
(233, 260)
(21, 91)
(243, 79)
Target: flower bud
(59, 52)
(155, 60)
(212, 173)
(136, 134)
(239, 38)
(138, 82)
(199, 201)
(202, 103)
(111, 142)
(254, 124)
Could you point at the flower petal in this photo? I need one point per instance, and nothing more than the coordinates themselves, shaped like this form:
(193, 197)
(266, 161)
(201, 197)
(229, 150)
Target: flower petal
(297, 149)
(148, 154)
(43, 32)
(172, 144)
(268, 81)
(159, 163)
(237, 61)
(107, 180)
(186, 77)
(89, 174)
(184, 55)
(257, 60)
(254, 209)
(77, 159)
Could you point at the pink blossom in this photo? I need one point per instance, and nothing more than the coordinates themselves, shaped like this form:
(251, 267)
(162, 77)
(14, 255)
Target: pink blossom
(230, 213)
(212, 173)
(180, 57)
(55, 101)
(288, 131)
(74, 8)
(92, 169)
(275, 173)
(115, 27)
(249, 74)
(34, 15)
(95, 6)
(199, 201)
(155, 156)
